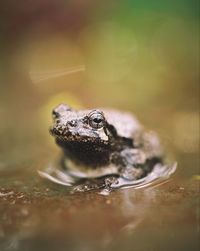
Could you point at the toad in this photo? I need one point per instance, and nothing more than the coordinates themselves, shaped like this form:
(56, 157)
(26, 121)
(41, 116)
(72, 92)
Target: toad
(102, 142)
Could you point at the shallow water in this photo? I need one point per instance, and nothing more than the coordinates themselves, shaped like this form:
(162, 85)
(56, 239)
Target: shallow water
(39, 217)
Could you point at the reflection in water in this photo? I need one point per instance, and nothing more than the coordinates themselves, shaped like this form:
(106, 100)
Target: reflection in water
(137, 208)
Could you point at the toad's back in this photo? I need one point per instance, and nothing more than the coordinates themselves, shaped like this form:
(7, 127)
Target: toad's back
(125, 124)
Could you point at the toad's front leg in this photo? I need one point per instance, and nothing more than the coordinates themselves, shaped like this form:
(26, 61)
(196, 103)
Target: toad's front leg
(133, 163)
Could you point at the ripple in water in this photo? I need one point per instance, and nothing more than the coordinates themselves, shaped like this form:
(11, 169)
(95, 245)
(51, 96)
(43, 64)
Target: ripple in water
(105, 184)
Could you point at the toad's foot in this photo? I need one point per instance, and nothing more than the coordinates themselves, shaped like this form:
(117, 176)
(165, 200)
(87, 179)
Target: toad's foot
(101, 184)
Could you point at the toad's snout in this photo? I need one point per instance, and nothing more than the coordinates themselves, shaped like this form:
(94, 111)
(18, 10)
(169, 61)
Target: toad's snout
(60, 130)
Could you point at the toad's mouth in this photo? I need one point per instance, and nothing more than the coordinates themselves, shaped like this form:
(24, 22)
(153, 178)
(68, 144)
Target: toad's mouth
(80, 140)
(79, 137)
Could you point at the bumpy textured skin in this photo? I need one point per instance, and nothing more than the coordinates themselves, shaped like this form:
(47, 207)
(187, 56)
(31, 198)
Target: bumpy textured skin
(121, 141)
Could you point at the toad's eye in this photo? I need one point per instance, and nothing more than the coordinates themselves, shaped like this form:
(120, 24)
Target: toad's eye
(96, 119)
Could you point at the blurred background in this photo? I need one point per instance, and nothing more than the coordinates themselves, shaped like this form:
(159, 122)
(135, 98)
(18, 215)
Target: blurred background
(140, 56)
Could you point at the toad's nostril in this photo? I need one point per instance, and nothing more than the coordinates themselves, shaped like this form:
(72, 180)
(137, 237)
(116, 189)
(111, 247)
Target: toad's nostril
(73, 123)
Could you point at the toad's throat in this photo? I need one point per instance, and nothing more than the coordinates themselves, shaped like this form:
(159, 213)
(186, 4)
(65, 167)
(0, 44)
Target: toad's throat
(85, 153)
